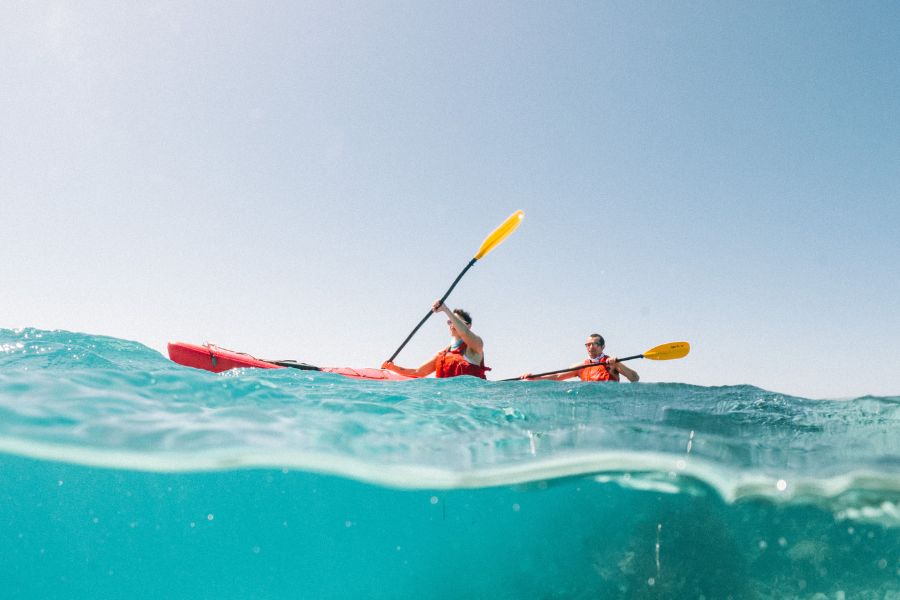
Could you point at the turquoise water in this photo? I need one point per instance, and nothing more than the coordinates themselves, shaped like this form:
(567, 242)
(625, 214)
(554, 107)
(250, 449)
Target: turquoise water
(127, 476)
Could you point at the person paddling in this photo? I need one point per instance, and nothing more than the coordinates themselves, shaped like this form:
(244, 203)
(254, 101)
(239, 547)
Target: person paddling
(464, 355)
(608, 368)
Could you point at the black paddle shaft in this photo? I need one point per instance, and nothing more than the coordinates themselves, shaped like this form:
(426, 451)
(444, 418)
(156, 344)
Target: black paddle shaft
(425, 318)
(293, 364)
(578, 368)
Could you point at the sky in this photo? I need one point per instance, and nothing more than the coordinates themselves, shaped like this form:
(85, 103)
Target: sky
(302, 179)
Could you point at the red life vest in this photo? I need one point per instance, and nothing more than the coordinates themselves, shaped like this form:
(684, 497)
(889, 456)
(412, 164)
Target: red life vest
(599, 373)
(452, 363)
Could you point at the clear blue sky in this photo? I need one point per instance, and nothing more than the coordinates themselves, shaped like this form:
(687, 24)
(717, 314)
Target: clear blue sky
(302, 180)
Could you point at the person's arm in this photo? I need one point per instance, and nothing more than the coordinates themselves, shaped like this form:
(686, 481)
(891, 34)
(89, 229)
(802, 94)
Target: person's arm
(473, 342)
(555, 376)
(424, 370)
(630, 374)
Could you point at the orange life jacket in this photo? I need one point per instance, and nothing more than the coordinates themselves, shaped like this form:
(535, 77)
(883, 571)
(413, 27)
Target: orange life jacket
(599, 373)
(452, 363)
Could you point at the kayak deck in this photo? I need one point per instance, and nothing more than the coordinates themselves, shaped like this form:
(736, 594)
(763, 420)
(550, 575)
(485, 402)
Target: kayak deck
(210, 357)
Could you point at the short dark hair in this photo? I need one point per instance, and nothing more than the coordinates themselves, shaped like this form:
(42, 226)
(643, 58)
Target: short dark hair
(463, 315)
(599, 338)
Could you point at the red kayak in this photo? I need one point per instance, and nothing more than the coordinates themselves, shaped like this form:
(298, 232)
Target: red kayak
(212, 358)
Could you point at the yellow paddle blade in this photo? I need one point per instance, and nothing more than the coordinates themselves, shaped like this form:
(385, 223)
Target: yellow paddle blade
(668, 351)
(500, 234)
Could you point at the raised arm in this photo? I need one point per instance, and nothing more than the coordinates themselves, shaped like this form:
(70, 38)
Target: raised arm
(474, 342)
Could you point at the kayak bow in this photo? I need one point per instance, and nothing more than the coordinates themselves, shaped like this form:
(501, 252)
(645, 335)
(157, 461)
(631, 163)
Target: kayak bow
(210, 357)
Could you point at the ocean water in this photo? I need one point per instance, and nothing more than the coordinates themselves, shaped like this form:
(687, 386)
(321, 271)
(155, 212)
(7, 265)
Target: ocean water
(123, 475)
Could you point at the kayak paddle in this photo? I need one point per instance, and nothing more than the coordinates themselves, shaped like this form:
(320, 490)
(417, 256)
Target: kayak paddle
(661, 352)
(293, 364)
(489, 243)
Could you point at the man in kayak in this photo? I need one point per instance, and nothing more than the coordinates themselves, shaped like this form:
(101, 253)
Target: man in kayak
(464, 355)
(608, 368)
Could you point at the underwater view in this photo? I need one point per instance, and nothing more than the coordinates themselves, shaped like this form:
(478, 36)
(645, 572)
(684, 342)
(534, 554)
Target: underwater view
(125, 475)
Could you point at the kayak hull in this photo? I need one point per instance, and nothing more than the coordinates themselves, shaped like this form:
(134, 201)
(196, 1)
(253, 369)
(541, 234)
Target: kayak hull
(210, 357)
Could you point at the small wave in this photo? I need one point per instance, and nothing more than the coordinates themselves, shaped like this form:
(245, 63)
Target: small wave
(857, 496)
(112, 403)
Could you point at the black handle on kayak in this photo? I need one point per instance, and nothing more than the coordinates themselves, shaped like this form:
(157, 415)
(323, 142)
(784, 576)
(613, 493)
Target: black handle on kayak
(578, 368)
(425, 318)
